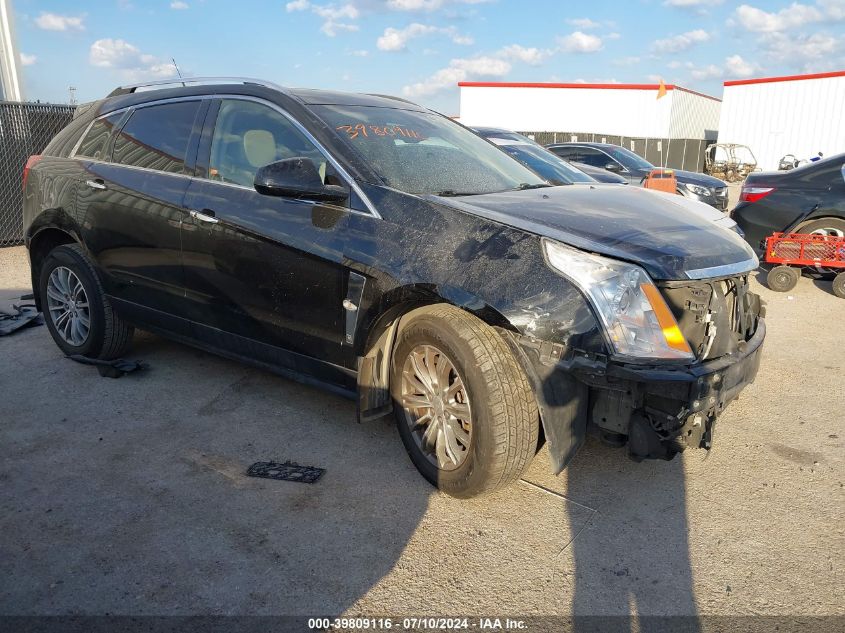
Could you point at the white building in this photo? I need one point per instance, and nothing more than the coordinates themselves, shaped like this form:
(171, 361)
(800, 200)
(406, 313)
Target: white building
(10, 79)
(801, 115)
(625, 110)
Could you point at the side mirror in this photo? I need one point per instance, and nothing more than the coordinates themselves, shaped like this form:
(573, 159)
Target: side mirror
(296, 178)
(614, 167)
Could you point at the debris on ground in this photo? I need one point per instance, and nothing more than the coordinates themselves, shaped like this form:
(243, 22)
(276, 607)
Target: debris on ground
(289, 471)
(21, 316)
(111, 368)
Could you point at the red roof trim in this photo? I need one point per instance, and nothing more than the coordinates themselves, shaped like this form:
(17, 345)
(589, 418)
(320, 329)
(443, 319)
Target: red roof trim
(507, 84)
(769, 80)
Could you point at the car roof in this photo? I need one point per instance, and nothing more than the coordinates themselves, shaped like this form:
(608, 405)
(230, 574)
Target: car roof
(585, 144)
(132, 95)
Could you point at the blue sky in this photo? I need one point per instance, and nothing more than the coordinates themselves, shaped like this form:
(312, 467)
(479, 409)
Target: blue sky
(421, 48)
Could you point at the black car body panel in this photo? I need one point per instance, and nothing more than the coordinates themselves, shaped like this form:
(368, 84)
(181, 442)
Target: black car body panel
(797, 197)
(269, 280)
(634, 168)
(602, 175)
(620, 222)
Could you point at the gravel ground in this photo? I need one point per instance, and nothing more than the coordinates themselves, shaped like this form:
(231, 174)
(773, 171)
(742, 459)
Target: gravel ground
(128, 496)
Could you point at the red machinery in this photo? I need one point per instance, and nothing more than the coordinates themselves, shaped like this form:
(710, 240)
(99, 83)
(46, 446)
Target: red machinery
(792, 251)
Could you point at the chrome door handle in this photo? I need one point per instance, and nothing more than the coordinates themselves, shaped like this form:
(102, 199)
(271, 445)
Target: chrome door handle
(96, 184)
(203, 217)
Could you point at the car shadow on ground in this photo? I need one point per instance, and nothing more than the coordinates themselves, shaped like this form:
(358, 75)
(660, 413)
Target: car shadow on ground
(130, 496)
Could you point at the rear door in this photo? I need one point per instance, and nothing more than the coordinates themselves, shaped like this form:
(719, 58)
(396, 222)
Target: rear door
(262, 272)
(131, 207)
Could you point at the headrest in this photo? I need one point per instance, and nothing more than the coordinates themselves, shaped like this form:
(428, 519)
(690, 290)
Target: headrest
(259, 147)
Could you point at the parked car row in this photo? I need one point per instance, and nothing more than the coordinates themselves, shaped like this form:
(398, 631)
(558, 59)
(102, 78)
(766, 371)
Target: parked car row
(383, 251)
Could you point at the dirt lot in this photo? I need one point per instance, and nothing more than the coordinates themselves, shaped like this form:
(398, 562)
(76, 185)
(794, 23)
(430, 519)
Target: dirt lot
(128, 496)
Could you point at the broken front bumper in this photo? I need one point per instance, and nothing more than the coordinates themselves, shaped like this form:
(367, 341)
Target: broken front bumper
(658, 410)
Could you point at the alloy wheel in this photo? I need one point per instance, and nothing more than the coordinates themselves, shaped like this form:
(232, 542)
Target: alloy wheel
(68, 306)
(437, 407)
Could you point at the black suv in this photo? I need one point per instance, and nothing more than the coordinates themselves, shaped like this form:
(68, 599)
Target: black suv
(635, 168)
(386, 252)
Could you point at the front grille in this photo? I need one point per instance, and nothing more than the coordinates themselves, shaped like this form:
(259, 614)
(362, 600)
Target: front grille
(715, 316)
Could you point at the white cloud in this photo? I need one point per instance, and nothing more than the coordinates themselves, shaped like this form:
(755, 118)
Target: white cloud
(801, 49)
(28, 60)
(55, 22)
(736, 66)
(794, 16)
(178, 5)
(531, 56)
(427, 5)
(360, 53)
(395, 39)
(583, 23)
(331, 14)
(628, 61)
(708, 72)
(580, 42)
(458, 70)
(681, 42)
(127, 59)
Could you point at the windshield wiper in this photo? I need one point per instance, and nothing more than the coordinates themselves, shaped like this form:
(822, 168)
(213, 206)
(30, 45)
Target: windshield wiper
(451, 193)
(523, 186)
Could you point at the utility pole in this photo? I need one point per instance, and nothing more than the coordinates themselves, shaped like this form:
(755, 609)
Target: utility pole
(10, 79)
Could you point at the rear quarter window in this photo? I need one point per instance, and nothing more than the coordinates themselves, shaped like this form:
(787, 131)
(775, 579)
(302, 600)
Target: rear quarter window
(95, 141)
(157, 137)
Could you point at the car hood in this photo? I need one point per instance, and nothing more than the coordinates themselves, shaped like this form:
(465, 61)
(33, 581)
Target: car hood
(622, 222)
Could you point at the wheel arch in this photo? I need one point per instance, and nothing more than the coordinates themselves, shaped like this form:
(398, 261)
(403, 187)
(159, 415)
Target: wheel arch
(40, 243)
(377, 334)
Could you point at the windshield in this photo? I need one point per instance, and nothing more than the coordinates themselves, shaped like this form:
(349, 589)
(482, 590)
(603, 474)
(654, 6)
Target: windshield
(556, 170)
(628, 158)
(425, 153)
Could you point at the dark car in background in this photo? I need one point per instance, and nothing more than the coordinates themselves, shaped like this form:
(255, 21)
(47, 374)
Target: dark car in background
(540, 160)
(635, 168)
(385, 252)
(807, 199)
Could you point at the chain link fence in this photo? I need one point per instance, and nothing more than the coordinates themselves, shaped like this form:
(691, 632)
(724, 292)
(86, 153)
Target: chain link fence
(25, 129)
(676, 153)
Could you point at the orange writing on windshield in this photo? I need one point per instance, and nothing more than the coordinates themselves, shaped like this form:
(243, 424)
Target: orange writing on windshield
(361, 130)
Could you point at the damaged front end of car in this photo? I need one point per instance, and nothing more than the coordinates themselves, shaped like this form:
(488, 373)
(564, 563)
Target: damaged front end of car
(674, 354)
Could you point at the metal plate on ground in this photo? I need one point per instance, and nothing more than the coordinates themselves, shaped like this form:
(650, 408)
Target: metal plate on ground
(289, 471)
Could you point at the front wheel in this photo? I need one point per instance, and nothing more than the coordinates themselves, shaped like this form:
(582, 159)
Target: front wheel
(465, 410)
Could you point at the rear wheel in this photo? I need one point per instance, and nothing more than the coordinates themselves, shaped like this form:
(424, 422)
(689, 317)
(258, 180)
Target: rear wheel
(839, 285)
(465, 410)
(77, 312)
(783, 278)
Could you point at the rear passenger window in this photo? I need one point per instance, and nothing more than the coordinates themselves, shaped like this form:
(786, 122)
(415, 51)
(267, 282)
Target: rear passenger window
(93, 145)
(567, 153)
(156, 137)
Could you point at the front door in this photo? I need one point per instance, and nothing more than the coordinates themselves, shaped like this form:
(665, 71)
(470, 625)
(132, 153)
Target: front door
(262, 272)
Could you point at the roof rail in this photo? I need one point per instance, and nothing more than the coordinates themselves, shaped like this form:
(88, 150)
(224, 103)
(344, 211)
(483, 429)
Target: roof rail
(124, 90)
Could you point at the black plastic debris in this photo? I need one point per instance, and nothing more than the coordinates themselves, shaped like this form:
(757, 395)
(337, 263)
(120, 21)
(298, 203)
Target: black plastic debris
(21, 316)
(111, 368)
(289, 471)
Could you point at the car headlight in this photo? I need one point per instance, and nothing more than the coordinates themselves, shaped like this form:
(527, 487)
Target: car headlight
(633, 313)
(698, 190)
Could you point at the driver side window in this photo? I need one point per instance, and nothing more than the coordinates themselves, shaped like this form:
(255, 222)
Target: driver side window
(249, 135)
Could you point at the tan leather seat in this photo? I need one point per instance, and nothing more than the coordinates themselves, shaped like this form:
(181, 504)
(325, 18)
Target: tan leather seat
(259, 147)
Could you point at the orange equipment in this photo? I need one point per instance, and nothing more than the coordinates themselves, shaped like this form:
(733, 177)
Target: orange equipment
(661, 180)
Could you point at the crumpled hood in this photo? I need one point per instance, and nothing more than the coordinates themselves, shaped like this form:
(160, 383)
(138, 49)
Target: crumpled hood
(626, 223)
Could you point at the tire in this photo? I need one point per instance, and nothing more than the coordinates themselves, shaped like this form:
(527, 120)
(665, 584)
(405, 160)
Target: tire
(824, 226)
(500, 413)
(839, 285)
(783, 278)
(108, 336)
